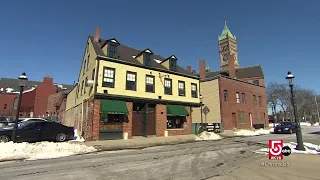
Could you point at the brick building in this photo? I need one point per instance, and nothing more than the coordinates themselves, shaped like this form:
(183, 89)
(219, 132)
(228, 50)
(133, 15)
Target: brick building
(57, 104)
(233, 96)
(124, 92)
(34, 100)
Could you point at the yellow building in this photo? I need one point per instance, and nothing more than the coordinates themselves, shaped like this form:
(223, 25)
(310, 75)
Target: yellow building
(124, 92)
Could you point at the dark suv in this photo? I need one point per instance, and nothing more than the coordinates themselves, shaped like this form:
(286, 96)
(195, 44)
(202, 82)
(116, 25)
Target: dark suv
(4, 121)
(285, 127)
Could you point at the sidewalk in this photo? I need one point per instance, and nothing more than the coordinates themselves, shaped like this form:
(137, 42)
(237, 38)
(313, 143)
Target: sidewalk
(301, 167)
(139, 142)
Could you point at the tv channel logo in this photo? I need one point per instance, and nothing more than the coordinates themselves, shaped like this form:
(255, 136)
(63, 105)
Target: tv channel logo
(277, 150)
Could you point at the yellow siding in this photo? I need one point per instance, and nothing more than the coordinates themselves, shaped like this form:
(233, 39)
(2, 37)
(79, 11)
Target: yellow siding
(140, 58)
(120, 83)
(210, 93)
(166, 63)
(72, 100)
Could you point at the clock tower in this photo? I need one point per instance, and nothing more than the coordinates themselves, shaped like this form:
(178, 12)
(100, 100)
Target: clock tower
(227, 46)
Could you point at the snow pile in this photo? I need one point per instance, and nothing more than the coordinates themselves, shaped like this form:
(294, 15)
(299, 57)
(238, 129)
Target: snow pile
(244, 132)
(204, 136)
(77, 137)
(316, 124)
(41, 150)
(310, 149)
(305, 124)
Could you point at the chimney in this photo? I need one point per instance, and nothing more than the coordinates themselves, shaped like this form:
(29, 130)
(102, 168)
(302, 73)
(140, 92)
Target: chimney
(231, 66)
(189, 68)
(48, 80)
(194, 72)
(202, 68)
(97, 35)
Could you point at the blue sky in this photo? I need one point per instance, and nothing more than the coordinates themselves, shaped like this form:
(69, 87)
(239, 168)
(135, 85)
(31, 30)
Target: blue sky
(49, 37)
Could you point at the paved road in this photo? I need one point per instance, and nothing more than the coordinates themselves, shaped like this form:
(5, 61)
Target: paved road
(194, 161)
(310, 134)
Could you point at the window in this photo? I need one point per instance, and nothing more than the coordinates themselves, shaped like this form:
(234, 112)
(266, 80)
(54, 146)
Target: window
(88, 60)
(85, 86)
(194, 91)
(5, 106)
(167, 86)
(173, 65)
(175, 122)
(77, 92)
(112, 50)
(262, 117)
(131, 81)
(147, 59)
(256, 82)
(82, 87)
(150, 83)
(225, 95)
(254, 100)
(260, 100)
(108, 77)
(243, 98)
(241, 117)
(93, 74)
(87, 47)
(182, 88)
(111, 118)
(238, 97)
(84, 67)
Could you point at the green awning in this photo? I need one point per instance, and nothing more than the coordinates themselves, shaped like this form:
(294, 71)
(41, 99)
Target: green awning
(176, 110)
(113, 107)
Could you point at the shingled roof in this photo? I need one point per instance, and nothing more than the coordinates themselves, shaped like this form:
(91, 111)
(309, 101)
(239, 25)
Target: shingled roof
(14, 84)
(128, 53)
(241, 73)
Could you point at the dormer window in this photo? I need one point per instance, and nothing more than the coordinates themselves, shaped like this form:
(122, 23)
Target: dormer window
(147, 59)
(173, 64)
(112, 50)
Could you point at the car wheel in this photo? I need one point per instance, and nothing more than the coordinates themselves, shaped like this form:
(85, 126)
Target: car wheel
(60, 137)
(4, 139)
(290, 131)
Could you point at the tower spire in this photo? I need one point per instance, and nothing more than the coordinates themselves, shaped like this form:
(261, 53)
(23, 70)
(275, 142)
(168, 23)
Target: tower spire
(225, 21)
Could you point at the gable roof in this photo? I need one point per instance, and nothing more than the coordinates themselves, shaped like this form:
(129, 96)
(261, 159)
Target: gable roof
(14, 84)
(241, 73)
(128, 54)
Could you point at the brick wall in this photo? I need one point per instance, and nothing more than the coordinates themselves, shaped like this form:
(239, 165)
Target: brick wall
(96, 120)
(187, 126)
(6, 104)
(127, 127)
(161, 119)
(233, 86)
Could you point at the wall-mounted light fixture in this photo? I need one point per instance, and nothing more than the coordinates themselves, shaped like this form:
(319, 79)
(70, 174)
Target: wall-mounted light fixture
(164, 75)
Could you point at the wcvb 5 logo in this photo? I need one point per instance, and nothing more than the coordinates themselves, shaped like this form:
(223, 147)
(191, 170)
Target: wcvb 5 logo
(277, 150)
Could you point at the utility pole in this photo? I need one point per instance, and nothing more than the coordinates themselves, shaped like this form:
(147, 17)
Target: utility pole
(315, 99)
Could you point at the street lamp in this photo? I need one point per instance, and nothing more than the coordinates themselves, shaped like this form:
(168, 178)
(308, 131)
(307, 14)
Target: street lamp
(201, 110)
(300, 145)
(22, 83)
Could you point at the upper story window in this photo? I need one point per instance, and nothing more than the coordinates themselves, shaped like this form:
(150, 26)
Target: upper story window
(260, 100)
(256, 82)
(77, 92)
(87, 47)
(182, 88)
(225, 95)
(173, 64)
(194, 90)
(147, 59)
(112, 50)
(131, 83)
(254, 99)
(243, 98)
(238, 97)
(88, 60)
(93, 74)
(82, 86)
(108, 77)
(84, 66)
(5, 106)
(168, 86)
(150, 83)
(85, 87)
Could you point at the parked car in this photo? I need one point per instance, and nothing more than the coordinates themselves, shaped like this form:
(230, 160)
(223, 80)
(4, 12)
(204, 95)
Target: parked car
(27, 119)
(285, 127)
(4, 121)
(34, 131)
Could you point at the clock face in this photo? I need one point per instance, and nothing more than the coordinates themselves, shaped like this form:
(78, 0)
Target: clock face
(225, 57)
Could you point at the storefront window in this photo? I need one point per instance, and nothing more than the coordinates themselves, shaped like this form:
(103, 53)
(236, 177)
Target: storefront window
(112, 118)
(175, 122)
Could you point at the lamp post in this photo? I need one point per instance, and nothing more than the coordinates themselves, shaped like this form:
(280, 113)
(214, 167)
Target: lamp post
(300, 145)
(201, 111)
(22, 83)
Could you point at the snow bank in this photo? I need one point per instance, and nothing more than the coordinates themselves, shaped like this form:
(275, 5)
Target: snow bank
(204, 136)
(310, 149)
(77, 137)
(244, 132)
(41, 150)
(316, 124)
(305, 124)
